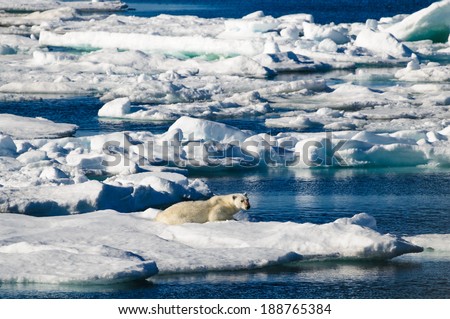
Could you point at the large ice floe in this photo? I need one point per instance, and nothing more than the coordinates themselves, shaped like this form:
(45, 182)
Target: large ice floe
(108, 247)
(31, 128)
(374, 94)
(429, 23)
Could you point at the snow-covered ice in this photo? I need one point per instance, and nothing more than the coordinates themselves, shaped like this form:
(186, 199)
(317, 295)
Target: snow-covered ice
(382, 43)
(429, 23)
(20, 127)
(431, 72)
(42, 187)
(108, 247)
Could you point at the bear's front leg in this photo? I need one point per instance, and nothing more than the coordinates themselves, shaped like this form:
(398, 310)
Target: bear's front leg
(218, 214)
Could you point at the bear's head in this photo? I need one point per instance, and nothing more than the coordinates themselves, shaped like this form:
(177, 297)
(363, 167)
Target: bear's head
(241, 201)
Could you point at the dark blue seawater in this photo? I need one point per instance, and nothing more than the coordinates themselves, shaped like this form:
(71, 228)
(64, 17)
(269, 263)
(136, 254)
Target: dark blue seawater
(324, 11)
(82, 111)
(392, 279)
(404, 201)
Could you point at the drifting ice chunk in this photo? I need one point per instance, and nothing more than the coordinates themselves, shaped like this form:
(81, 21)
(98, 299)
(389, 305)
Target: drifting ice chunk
(363, 219)
(64, 13)
(160, 189)
(70, 267)
(350, 96)
(48, 260)
(116, 108)
(321, 32)
(197, 129)
(31, 128)
(249, 26)
(374, 138)
(365, 149)
(288, 62)
(446, 131)
(240, 65)
(46, 88)
(297, 18)
(430, 23)
(382, 43)
(328, 45)
(122, 193)
(41, 18)
(300, 123)
(17, 42)
(432, 72)
(64, 200)
(157, 92)
(32, 156)
(151, 43)
(7, 146)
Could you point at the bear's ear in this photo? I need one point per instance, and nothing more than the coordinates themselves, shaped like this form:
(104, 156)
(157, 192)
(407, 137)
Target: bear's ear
(234, 197)
(245, 194)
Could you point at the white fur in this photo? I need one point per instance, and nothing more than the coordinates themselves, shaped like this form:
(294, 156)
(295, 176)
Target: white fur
(214, 209)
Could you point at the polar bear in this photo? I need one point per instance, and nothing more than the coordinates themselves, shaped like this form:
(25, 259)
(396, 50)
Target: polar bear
(214, 209)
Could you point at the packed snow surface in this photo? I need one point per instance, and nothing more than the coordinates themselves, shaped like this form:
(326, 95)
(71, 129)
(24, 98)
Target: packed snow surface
(109, 247)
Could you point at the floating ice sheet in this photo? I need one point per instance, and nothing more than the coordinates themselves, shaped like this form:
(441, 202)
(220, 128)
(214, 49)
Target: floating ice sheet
(20, 127)
(108, 247)
(429, 23)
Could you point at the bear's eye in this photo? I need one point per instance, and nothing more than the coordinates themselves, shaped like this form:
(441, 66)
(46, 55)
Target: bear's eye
(242, 201)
